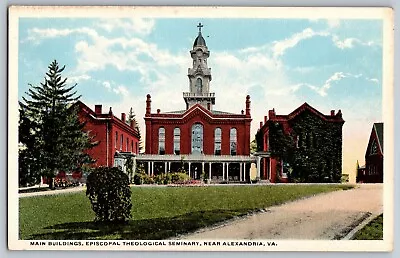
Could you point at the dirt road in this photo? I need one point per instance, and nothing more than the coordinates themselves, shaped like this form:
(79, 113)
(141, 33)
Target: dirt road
(325, 216)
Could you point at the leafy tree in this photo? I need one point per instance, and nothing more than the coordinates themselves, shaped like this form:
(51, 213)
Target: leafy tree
(109, 192)
(253, 146)
(50, 129)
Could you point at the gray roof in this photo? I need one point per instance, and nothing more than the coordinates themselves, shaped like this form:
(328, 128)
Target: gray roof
(379, 131)
(215, 112)
(199, 41)
(175, 112)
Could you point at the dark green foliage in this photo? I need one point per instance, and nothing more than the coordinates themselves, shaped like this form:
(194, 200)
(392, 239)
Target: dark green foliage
(132, 117)
(108, 191)
(317, 154)
(49, 129)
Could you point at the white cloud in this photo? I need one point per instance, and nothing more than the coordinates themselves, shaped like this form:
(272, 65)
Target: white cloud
(333, 23)
(373, 80)
(79, 78)
(107, 85)
(279, 47)
(141, 26)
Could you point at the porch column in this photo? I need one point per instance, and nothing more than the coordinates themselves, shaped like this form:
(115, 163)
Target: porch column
(244, 171)
(258, 166)
(169, 166)
(189, 169)
(209, 170)
(165, 167)
(152, 168)
(240, 172)
(223, 170)
(227, 171)
(202, 167)
(148, 168)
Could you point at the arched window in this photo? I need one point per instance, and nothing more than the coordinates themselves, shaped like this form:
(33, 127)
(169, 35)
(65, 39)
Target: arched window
(199, 85)
(177, 141)
(197, 138)
(161, 141)
(217, 141)
(132, 146)
(116, 140)
(233, 141)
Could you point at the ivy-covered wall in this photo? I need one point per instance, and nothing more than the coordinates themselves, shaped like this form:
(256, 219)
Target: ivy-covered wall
(311, 150)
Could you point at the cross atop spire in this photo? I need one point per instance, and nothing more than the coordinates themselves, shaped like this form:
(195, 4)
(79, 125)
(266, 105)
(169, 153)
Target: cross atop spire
(200, 26)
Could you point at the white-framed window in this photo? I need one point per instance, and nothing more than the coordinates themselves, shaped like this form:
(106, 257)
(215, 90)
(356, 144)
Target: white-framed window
(217, 141)
(177, 141)
(161, 141)
(233, 141)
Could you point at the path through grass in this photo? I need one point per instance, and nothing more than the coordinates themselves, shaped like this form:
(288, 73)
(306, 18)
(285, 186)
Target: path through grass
(158, 212)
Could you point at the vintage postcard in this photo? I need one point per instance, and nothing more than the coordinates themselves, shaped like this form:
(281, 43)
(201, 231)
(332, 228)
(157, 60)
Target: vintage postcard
(200, 128)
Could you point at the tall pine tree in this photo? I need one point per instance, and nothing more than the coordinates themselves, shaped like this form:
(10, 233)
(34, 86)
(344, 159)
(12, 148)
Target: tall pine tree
(132, 117)
(50, 129)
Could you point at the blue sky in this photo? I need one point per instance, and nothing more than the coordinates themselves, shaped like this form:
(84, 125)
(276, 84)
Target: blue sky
(281, 63)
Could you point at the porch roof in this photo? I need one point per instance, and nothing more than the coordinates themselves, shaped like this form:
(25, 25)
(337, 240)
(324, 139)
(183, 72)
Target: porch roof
(195, 158)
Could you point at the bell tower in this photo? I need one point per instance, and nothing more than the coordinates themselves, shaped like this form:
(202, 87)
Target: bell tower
(199, 76)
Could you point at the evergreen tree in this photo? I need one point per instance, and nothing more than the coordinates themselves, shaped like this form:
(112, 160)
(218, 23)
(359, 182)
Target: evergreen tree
(132, 117)
(50, 128)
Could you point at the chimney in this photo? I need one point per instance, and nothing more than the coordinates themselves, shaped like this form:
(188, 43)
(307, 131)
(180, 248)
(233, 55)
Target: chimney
(110, 112)
(132, 123)
(97, 109)
(148, 104)
(271, 113)
(209, 106)
(242, 112)
(339, 113)
(261, 124)
(332, 112)
(158, 111)
(248, 105)
(265, 119)
(123, 117)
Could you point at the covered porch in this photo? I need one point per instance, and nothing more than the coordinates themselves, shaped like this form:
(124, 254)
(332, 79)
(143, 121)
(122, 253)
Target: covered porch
(217, 169)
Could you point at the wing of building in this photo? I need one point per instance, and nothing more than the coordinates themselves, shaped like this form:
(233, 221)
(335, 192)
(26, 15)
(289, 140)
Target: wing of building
(303, 146)
(200, 139)
(116, 138)
(373, 170)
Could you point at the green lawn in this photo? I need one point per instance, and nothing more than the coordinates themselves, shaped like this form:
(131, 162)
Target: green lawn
(158, 212)
(372, 231)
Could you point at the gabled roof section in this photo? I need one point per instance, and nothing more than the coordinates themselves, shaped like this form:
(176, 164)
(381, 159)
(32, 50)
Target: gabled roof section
(194, 110)
(378, 127)
(306, 106)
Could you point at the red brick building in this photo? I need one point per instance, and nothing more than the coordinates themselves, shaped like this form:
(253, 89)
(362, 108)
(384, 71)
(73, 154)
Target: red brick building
(373, 172)
(116, 139)
(318, 136)
(204, 140)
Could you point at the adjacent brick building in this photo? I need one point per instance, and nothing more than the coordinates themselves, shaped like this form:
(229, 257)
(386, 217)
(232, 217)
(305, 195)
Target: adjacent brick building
(314, 139)
(115, 137)
(373, 171)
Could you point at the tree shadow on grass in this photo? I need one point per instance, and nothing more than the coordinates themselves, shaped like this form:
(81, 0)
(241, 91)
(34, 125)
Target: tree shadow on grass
(157, 228)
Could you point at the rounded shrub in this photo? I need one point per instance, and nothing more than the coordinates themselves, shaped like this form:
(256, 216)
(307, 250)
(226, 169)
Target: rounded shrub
(109, 192)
